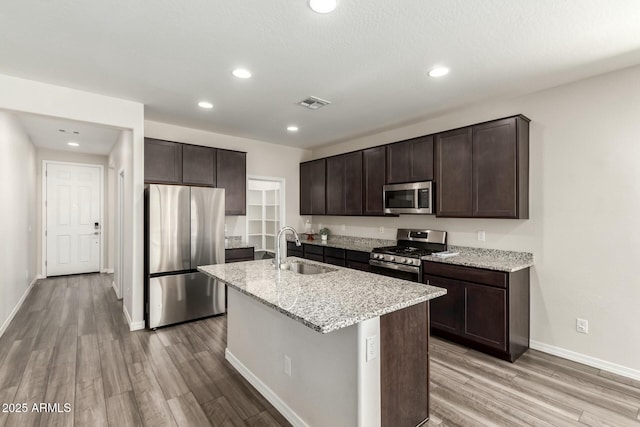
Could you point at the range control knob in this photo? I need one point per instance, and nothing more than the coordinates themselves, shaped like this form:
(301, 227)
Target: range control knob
(391, 258)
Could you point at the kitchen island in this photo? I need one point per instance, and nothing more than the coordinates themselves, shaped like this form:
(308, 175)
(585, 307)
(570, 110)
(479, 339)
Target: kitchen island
(339, 348)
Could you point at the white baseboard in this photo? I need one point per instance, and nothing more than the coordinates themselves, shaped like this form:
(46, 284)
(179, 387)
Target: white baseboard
(115, 289)
(268, 394)
(133, 326)
(13, 313)
(586, 360)
(107, 270)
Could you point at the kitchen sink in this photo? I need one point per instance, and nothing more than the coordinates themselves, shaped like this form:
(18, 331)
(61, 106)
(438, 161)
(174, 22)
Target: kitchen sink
(304, 268)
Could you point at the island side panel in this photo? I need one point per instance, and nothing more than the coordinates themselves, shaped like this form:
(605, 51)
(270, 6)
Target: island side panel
(323, 387)
(404, 366)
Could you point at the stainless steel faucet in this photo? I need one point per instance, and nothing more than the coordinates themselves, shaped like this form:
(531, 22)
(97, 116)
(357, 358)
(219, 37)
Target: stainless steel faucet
(278, 258)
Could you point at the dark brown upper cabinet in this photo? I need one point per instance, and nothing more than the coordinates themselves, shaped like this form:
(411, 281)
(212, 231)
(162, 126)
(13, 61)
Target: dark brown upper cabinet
(453, 173)
(344, 184)
(410, 160)
(482, 171)
(374, 174)
(198, 165)
(231, 173)
(162, 161)
(313, 187)
(501, 169)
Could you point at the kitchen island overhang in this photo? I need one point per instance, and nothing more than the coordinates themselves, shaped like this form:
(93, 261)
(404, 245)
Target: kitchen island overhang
(342, 348)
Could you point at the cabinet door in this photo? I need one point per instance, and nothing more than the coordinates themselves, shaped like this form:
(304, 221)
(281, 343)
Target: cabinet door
(410, 161)
(231, 175)
(198, 165)
(454, 173)
(374, 170)
(495, 169)
(485, 315)
(447, 310)
(162, 161)
(344, 184)
(312, 187)
(336, 184)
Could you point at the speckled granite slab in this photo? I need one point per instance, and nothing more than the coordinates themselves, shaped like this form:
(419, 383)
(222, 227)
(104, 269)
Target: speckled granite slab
(491, 259)
(323, 302)
(362, 244)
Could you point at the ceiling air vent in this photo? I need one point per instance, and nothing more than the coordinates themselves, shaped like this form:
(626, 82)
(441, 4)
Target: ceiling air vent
(313, 103)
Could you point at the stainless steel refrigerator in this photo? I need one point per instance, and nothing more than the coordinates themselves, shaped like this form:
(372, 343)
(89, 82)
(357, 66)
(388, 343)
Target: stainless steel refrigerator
(184, 229)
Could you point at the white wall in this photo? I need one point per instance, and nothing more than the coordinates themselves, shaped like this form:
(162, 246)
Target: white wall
(29, 96)
(263, 159)
(331, 383)
(43, 154)
(585, 204)
(18, 215)
(121, 160)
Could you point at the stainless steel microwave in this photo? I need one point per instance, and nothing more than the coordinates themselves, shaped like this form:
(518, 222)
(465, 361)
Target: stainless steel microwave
(412, 198)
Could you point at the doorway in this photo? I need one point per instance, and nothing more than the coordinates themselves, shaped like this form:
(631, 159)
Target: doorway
(73, 199)
(265, 213)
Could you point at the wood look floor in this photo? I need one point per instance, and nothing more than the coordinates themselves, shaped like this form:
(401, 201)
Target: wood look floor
(70, 343)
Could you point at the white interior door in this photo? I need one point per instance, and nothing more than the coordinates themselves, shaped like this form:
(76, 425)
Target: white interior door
(73, 208)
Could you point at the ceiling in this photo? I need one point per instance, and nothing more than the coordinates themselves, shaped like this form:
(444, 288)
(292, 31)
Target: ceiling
(54, 133)
(369, 58)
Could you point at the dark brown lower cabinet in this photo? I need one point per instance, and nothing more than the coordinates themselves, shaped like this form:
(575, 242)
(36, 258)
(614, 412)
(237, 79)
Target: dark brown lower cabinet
(239, 254)
(294, 250)
(404, 366)
(484, 309)
(446, 312)
(313, 252)
(334, 256)
(358, 260)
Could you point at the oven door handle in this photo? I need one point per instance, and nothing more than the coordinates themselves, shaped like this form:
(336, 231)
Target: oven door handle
(392, 266)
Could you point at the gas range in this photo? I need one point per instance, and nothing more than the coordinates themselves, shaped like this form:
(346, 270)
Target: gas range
(403, 261)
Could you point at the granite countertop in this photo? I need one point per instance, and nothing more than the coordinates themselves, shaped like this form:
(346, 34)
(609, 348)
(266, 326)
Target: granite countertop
(490, 259)
(361, 244)
(324, 302)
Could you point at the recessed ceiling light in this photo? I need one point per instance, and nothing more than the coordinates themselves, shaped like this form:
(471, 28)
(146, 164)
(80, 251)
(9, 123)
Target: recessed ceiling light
(438, 72)
(241, 73)
(73, 144)
(292, 128)
(205, 105)
(323, 6)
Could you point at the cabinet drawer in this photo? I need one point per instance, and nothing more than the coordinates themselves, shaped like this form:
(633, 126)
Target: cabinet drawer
(362, 266)
(468, 274)
(334, 261)
(293, 250)
(314, 257)
(334, 252)
(239, 254)
(358, 256)
(312, 249)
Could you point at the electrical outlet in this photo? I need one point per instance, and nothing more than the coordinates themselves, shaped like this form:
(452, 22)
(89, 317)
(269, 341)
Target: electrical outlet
(582, 326)
(481, 236)
(344, 227)
(381, 230)
(287, 365)
(372, 347)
